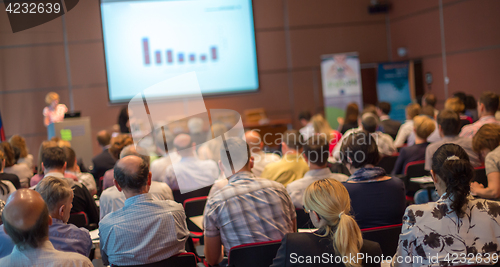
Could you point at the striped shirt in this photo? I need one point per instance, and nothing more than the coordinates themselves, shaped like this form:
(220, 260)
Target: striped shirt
(471, 129)
(144, 231)
(248, 210)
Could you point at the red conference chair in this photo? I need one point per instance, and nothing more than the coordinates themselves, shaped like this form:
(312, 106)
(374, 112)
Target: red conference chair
(480, 176)
(186, 259)
(253, 254)
(79, 219)
(180, 198)
(413, 169)
(386, 236)
(194, 207)
(388, 162)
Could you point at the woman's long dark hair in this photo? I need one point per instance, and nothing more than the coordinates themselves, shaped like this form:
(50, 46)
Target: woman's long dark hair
(451, 163)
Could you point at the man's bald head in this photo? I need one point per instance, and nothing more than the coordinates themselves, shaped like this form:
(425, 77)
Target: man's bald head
(103, 137)
(132, 173)
(26, 218)
(253, 140)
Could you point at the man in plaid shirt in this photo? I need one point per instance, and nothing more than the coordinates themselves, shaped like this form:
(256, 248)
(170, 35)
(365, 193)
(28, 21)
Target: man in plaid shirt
(248, 209)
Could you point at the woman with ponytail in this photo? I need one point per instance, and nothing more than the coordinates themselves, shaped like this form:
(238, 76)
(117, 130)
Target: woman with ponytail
(455, 230)
(338, 236)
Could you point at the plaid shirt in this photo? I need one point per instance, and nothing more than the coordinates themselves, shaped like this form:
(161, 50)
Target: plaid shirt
(471, 129)
(248, 210)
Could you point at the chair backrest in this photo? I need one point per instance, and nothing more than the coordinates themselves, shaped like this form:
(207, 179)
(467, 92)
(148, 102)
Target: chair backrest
(303, 219)
(186, 259)
(79, 219)
(194, 207)
(180, 198)
(386, 236)
(415, 169)
(480, 176)
(388, 162)
(254, 254)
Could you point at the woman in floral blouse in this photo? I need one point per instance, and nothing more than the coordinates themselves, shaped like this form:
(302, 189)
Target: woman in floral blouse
(456, 230)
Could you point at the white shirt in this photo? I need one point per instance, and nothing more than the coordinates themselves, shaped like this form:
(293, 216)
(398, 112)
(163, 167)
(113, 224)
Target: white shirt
(22, 171)
(307, 131)
(44, 256)
(112, 199)
(160, 165)
(261, 159)
(404, 132)
(191, 173)
(28, 160)
(297, 188)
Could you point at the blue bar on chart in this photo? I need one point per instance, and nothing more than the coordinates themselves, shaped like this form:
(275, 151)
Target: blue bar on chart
(158, 57)
(203, 58)
(180, 57)
(213, 50)
(192, 58)
(145, 48)
(170, 57)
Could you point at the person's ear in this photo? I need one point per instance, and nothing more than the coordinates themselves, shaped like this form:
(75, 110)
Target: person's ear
(117, 185)
(434, 177)
(64, 167)
(250, 162)
(76, 162)
(43, 167)
(149, 178)
(50, 220)
(305, 158)
(221, 167)
(283, 146)
(261, 145)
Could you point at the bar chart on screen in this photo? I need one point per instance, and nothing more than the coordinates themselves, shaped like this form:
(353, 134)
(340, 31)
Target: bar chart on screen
(167, 57)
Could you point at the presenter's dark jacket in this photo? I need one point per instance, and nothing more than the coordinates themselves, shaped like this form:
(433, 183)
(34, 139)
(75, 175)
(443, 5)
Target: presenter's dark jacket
(102, 163)
(309, 244)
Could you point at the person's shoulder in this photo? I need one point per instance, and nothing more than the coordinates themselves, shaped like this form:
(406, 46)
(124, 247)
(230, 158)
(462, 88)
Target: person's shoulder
(76, 259)
(494, 155)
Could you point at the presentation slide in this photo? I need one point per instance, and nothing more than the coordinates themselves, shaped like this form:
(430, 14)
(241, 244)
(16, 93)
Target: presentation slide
(146, 42)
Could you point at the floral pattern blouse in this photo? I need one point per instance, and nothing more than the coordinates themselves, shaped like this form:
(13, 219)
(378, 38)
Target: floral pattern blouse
(433, 234)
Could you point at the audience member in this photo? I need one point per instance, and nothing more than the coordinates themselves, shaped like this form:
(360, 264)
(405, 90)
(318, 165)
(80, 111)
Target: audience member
(53, 112)
(17, 141)
(12, 178)
(195, 126)
(455, 104)
(430, 99)
(117, 144)
(112, 199)
(261, 158)
(449, 127)
(145, 230)
(72, 168)
(350, 120)
(247, 209)
(210, 150)
(486, 142)
(316, 155)
(369, 123)
(322, 127)
(471, 107)
(39, 176)
(190, 173)
(424, 127)
(58, 196)
(54, 163)
(307, 129)
(26, 220)
(376, 199)
(328, 204)
(123, 121)
(292, 165)
(456, 222)
(168, 155)
(486, 108)
(104, 161)
(20, 170)
(389, 126)
(406, 128)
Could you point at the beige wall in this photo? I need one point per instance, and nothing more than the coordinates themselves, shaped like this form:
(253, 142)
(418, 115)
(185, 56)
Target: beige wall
(32, 62)
(472, 42)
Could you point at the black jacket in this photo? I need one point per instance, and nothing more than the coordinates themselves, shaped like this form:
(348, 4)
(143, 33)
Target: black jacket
(102, 163)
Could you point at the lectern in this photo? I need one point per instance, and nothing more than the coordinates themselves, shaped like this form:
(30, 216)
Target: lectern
(77, 132)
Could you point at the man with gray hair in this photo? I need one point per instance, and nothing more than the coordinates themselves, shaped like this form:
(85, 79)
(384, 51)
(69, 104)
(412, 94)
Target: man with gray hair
(145, 230)
(112, 199)
(248, 209)
(26, 220)
(58, 196)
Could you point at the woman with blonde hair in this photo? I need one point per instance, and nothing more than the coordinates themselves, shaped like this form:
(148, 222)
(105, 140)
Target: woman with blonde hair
(53, 112)
(24, 157)
(328, 204)
(322, 127)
